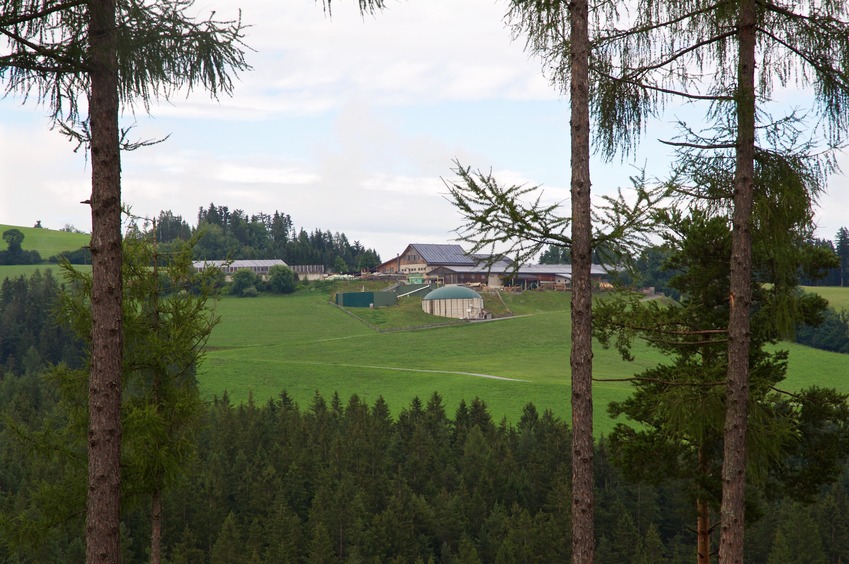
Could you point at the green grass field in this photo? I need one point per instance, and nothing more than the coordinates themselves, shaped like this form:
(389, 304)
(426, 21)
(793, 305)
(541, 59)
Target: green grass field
(15, 271)
(48, 242)
(303, 344)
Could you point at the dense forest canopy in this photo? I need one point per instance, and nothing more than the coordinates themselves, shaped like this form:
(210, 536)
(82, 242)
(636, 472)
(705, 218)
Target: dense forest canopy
(342, 481)
(234, 234)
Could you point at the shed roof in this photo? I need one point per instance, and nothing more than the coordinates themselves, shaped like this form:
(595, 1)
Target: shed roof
(452, 292)
(562, 269)
(500, 267)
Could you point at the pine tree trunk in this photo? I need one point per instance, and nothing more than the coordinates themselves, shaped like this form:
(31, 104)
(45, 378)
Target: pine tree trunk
(104, 431)
(703, 531)
(583, 538)
(703, 516)
(156, 498)
(737, 394)
(156, 527)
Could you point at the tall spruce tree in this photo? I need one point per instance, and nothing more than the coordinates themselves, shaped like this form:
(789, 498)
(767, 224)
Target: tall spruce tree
(679, 406)
(166, 324)
(110, 53)
(841, 246)
(559, 31)
(113, 54)
(664, 55)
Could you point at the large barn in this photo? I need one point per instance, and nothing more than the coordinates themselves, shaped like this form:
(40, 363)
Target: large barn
(449, 264)
(459, 302)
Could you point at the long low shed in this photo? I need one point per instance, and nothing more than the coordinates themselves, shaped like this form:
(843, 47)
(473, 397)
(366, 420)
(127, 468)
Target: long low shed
(365, 299)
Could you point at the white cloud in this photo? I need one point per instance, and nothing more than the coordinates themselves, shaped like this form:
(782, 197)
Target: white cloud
(241, 174)
(404, 185)
(346, 124)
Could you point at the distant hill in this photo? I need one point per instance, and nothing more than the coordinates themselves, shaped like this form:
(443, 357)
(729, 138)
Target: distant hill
(47, 242)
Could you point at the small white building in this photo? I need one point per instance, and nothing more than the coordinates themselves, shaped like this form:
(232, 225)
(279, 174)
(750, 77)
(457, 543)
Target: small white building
(459, 302)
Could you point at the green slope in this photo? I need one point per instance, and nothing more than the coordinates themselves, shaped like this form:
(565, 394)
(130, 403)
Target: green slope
(47, 242)
(303, 344)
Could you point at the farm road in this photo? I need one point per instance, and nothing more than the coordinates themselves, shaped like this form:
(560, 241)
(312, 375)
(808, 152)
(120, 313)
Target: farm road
(401, 369)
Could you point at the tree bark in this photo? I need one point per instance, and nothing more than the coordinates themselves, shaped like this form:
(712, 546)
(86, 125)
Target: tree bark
(583, 537)
(156, 527)
(104, 431)
(156, 501)
(737, 394)
(703, 518)
(702, 531)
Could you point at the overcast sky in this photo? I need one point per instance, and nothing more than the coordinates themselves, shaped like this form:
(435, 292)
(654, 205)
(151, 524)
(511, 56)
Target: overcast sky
(346, 124)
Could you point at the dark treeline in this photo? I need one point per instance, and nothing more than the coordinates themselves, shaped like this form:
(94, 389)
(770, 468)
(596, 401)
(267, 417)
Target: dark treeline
(838, 276)
(234, 234)
(345, 482)
(30, 338)
(832, 334)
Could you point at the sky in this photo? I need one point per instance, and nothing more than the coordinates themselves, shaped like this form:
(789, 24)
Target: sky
(349, 124)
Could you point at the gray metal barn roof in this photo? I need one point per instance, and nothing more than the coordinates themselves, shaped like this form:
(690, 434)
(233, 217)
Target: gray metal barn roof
(561, 269)
(443, 254)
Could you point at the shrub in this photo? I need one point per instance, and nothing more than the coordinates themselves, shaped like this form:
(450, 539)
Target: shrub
(243, 281)
(281, 279)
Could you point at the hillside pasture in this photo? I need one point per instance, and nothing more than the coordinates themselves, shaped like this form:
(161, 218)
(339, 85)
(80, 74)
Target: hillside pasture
(48, 242)
(303, 344)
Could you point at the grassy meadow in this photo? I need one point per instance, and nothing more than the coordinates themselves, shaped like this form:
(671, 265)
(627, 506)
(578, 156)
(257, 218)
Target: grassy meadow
(26, 270)
(303, 344)
(48, 242)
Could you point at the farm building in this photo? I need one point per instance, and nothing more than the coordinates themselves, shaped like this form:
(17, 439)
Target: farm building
(228, 267)
(448, 263)
(365, 299)
(543, 275)
(308, 271)
(473, 274)
(419, 258)
(454, 301)
(261, 267)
